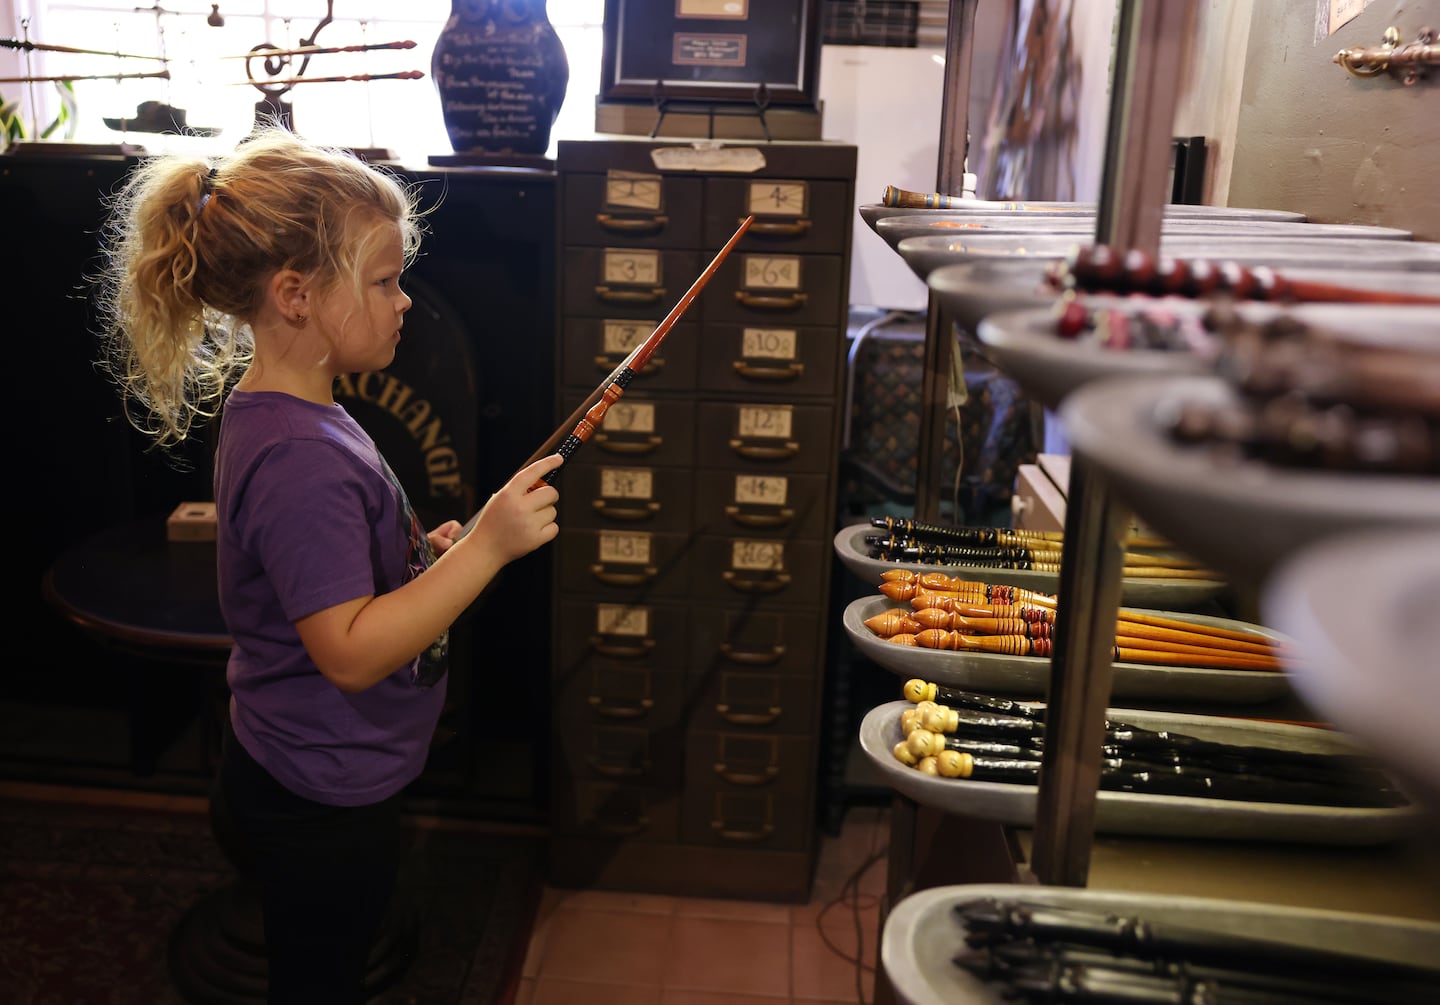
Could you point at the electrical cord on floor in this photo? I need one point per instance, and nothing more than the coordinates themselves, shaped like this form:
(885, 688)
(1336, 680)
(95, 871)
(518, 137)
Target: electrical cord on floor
(851, 890)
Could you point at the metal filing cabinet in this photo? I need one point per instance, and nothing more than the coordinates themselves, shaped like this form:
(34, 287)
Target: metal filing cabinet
(693, 566)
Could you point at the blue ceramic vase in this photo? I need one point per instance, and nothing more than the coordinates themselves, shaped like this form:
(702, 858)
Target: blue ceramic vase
(501, 72)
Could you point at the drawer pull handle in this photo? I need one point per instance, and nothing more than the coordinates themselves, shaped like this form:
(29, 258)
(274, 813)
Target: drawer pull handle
(752, 658)
(605, 364)
(630, 296)
(759, 453)
(618, 770)
(630, 224)
(748, 718)
(763, 834)
(788, 302)
(621, 711)
(615, 446)
(777, 228)
(623, 578)
(626, 512)
(779, 519)
(769, 372)
(775, 585)
(747, 777)
(619, 652)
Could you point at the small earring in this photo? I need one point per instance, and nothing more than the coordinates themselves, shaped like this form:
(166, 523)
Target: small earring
(299, 319)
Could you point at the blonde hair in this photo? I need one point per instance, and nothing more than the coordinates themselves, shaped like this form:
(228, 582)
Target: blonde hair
(190, 248)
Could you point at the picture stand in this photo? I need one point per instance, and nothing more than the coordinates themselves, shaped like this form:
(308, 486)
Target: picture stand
(665, 104)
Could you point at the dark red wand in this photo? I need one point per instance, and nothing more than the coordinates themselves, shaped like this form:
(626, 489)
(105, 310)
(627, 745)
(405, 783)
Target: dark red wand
(583, 421)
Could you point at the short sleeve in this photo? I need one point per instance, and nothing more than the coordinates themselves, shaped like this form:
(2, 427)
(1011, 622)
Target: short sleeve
(306, 518)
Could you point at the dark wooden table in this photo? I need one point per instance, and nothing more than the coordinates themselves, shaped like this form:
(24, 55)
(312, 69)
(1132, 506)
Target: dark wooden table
(130, 587)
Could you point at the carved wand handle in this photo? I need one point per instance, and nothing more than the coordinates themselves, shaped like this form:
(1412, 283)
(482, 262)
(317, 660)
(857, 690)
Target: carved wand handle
(589, 415)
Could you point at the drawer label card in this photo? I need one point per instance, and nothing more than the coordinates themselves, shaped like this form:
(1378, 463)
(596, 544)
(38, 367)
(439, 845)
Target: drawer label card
(632, 266)
(619, 338)
(626, 483)
(772, 272)
(619, 619)
(757, 556)
(767, 421)
(776, 198)
(624, 548)
(633, 190)
(769, 343)
(762, 490)
(630, 417)
(737, 10)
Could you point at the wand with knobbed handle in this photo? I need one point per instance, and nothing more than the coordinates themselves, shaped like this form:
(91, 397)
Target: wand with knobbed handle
(588, 416)
(1020, 645)
(898, 621)
(582, 422)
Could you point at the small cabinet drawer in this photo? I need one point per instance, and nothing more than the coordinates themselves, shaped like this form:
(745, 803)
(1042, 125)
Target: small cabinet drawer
(638, 429)
(625, 495)
(633, 208)
(768, 435)
(624, 563)
(630, 752)
(779, 287)
(651, 635)
(790, 213)
(615, 810)
(770, 504)
(753, 699)
(775, 641)
(619, 282)
(620, 693)
(752, 568)
(772, 358)
(592, 348)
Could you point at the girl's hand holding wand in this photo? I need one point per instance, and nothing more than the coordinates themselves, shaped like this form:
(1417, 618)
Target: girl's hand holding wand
(521, 516)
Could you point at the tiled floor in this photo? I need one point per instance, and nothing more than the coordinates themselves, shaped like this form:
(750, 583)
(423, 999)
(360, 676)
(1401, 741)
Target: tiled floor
(605, 948)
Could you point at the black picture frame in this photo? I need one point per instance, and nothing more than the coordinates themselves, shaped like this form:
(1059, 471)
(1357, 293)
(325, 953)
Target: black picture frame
(711, 51)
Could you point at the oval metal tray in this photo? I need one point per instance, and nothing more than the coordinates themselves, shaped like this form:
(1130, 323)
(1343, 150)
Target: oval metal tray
(923, 932)
(1155, 816)
(1024, 344)
(1157, 594)
(926, 254)
(1239, 516)
(1029, 676)
(894, 229)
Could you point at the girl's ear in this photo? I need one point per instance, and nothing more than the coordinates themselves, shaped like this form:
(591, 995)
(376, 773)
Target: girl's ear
(290, 295)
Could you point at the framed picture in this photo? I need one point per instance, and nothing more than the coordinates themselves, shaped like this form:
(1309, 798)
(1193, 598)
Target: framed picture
(716, 51)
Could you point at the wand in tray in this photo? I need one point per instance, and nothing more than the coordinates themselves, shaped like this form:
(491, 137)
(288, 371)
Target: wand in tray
(1171, 949)
(1102, 269)
(584, 420)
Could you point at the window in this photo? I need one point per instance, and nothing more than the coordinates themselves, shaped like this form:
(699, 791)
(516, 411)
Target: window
(210, 83)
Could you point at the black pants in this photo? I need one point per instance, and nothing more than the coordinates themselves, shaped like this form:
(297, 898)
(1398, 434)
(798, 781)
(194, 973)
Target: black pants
(325, 876)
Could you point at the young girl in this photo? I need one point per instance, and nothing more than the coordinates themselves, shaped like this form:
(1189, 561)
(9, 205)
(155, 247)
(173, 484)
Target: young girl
(255, 284)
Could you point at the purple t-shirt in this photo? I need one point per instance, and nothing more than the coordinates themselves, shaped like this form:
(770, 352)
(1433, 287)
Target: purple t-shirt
(310, 516)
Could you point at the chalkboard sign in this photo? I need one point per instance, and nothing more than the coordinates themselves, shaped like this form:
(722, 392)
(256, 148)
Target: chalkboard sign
(501, 72)
(717, 51)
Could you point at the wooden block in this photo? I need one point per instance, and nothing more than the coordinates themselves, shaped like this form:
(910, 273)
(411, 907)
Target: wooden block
(191, 521)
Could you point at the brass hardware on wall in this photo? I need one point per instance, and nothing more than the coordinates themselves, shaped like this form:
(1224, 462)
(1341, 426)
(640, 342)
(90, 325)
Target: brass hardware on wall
(1407, 63)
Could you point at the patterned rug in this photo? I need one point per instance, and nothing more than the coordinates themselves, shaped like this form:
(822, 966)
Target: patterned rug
(92, 899)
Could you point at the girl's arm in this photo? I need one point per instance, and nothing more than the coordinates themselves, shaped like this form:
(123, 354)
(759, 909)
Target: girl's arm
(359, 643)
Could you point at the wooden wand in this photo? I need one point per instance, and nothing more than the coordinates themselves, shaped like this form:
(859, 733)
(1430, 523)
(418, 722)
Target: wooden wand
(583, 421)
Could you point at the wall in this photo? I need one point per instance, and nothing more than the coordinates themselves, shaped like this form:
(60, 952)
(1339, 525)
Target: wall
(1314, 139)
